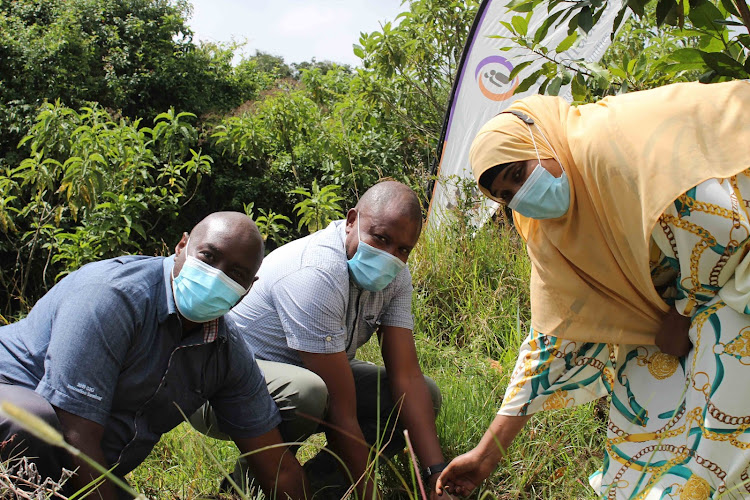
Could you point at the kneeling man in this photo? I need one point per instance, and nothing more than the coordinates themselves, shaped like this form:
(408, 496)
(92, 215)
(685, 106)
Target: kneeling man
(118, 351)
(320, 298)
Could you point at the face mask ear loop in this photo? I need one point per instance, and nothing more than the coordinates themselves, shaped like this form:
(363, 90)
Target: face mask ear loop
(359, 238)
(536, 150)
(548, 144)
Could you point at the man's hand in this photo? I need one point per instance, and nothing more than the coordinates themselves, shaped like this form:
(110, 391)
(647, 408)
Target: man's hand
(276, 468)
(85, 435)
(672, 337)
(432, 487)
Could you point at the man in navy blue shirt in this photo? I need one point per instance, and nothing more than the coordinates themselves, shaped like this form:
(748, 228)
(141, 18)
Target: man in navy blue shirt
(120, 350)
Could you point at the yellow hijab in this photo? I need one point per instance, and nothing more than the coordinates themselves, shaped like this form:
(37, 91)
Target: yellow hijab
(627, 158)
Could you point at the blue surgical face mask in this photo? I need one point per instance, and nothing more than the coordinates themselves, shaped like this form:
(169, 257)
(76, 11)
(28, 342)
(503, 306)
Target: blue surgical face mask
(202, 292)
(542, 196)
(371, 268)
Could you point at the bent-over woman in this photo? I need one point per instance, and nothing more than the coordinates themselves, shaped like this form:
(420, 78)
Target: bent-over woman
(636, 215)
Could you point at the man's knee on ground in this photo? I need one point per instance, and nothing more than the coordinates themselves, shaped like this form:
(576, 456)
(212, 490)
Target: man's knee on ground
(16, 441)
(437, 397)
(311, 398)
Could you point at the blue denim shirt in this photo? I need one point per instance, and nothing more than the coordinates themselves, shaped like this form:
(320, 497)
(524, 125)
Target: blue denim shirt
(106, 344)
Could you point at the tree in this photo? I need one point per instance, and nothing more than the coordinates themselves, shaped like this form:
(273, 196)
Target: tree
(410, 64)
(133, 56)
(92, 187)
(667, 41)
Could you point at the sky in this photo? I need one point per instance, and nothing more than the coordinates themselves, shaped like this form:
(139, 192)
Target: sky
(297, 30)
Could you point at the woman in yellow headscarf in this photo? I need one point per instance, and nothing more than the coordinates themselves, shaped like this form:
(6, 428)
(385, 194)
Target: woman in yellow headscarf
(636, 215)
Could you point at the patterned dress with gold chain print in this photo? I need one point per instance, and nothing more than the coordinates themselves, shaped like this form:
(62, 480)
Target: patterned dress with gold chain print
(678, 428)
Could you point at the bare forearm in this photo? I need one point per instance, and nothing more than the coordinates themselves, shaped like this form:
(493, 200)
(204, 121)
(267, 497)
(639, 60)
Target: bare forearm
(499, 436)
(467, 471)
(418, 417)
(349, 444)
(289, 483)
(85, 473)
(275, 467)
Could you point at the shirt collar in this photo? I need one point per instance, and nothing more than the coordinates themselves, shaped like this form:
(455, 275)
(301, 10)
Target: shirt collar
(169, 305)
(340, 226)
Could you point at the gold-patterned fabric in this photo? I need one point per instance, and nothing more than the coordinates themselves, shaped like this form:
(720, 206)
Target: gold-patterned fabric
(627, 158)
(678, 428)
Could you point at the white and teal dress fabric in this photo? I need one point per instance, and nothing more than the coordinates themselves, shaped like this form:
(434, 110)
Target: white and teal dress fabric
(679, 428)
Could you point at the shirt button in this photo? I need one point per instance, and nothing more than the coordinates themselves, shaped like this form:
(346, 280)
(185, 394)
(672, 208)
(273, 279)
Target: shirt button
(328, 338)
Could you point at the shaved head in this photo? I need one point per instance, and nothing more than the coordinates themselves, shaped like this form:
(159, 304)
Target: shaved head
(238, 224)
(388, 217)
(393, 197)
(229, 241)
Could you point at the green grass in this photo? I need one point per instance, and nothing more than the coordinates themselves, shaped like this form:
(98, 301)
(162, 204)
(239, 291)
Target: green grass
(471, 312)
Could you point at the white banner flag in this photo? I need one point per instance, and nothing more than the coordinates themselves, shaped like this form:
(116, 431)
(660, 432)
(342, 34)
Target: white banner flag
(483, 88)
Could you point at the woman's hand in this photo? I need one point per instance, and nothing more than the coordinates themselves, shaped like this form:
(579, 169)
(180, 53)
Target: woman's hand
(672, 337)
(465, 473)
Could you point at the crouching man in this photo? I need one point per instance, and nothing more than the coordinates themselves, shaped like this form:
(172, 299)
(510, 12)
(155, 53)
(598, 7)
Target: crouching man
(118, 351)
(317, 301)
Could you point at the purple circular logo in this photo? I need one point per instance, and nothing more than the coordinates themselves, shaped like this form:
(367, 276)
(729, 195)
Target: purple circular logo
(493, 77)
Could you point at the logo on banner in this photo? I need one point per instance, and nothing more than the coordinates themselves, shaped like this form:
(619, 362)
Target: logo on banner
(492, 75)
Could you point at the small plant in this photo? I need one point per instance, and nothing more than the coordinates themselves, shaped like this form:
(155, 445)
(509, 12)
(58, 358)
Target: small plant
(19, 471)
(319, 207)
(272, 226)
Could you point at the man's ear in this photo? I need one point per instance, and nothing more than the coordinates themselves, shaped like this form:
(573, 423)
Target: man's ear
(181, 244)
(351, 219)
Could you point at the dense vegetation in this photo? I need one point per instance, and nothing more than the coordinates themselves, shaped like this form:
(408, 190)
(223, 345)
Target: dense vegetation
(119, 132)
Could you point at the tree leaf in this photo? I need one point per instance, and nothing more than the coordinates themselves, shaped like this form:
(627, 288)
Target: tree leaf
(520, 25)
(578, 88)
(686, 56)
(730, 7)
(554, 86)
(567, 42)
(586, 19)
(728, 22)
(542, 30)
(528, 81)
(637, 6)
(724, 65)
(705, 15)
(663, 9)
(521, 5)
(518, 68)
(618, 22)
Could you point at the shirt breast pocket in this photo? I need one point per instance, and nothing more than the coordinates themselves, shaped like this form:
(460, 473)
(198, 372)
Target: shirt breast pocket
(372, 323)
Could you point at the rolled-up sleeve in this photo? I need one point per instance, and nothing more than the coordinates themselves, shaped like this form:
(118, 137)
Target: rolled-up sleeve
(311, 306)
(397, 312)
